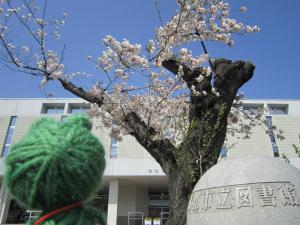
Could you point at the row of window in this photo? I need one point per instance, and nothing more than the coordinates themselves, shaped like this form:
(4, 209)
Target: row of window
(274, 109)
(59, 108)
(81, 108)
(11, 129)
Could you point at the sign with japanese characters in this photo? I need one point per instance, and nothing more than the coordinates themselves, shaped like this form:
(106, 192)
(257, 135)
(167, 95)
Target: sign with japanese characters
(272, 194)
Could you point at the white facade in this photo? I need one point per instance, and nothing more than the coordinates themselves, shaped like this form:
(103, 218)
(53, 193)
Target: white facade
(133, 180)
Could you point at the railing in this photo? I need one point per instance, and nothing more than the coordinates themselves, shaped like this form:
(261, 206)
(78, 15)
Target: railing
(33, 214)
(164, 216)
(135, 218)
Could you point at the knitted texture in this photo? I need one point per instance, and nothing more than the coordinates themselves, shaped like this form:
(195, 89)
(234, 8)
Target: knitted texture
(57, 164)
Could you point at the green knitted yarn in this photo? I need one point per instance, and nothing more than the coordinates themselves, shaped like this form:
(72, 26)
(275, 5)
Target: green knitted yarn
(57, 164)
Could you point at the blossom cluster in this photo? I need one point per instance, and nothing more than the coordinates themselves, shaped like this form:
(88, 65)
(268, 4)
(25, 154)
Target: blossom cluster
(161, 100)
(186, 57)
(51, 66)
(164, 115)
(28, 58)
(134, 80)
(199, 20)
(120, 55)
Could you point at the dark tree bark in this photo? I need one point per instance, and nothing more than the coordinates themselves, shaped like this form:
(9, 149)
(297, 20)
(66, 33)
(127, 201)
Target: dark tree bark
(200, 149)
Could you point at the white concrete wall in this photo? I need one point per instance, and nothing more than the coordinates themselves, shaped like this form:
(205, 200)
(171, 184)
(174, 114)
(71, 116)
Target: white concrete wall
(133, 160)
(295, 162)
(113, 199)
(133, 167)
(258, 143)
(127, 198)
(28, 110)
(290, 125)
(31, 106)
(293, 109)
(132, 198)
(130, 148)
(142, 200)
(132, 157)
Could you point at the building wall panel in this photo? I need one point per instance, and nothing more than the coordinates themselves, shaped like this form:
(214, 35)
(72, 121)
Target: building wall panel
(290, 125)
(24, 123)
(258, 143)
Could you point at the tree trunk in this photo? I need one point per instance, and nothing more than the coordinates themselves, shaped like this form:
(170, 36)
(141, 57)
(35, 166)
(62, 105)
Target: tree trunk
(179, 194)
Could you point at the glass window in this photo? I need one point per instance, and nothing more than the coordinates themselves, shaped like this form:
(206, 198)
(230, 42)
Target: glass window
(114, 148)
(272, 136)
(16, 214)
(253, 108)
(75, 109)
(5, 150)
(64, 118)
(53, 108)
(158, 203)
(278, 109)
(223, 152)
(114, 141)
(113, 152)
(275, 150)
(9, 136)
(13, 121)
(100, 201)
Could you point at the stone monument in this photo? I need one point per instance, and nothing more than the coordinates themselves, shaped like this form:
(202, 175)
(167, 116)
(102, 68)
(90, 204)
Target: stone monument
(251, 190)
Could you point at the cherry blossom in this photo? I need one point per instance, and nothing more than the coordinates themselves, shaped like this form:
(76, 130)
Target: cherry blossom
(134, 78)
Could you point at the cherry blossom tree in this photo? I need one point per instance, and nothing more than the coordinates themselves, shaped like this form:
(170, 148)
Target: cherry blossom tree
(176, 104)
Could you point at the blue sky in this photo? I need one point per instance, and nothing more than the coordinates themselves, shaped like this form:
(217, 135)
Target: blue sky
(274, 50)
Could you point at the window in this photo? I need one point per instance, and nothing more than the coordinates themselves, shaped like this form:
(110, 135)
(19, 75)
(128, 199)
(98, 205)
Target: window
(253, 108)
(64, 118)
(272, 136)
(275, 151)
(78, 108)
(9, 135)
(114, 148)
(278, 109)
(158, 203)
(16, 214)
(100, 201)
(223, 152)
(53, 108)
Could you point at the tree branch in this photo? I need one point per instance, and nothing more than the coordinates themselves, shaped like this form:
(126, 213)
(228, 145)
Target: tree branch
(231, 75)
(78, 91)
(161, 149)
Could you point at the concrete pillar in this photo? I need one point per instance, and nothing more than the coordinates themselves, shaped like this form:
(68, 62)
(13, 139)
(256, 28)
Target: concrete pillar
(112, 211)
(4, 203)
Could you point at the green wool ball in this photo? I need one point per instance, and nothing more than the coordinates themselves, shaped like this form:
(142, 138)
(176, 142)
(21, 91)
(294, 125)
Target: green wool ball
(56, 164)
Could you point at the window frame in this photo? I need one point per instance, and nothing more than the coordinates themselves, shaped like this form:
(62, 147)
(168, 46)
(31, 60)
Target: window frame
(253, 108)
(59, 108)
(83, 108)
(8, 138)
(280, 109)
(113, 146)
